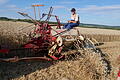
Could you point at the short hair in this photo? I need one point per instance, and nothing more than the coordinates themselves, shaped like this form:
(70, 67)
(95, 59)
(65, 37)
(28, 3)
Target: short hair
(73, 10)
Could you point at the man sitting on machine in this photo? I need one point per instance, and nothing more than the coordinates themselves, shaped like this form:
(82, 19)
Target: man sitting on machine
(74, 20)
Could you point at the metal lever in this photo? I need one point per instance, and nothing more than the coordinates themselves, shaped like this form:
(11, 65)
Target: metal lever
(23, 14)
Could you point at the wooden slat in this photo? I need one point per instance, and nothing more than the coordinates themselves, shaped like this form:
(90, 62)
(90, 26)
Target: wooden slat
(37, 5)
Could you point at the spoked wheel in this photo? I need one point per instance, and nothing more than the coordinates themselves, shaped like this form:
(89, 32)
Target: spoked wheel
(67, 45)
(56, 49)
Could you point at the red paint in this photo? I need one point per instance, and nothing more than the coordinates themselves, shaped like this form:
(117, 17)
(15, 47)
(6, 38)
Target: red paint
(119, 73)
(53, 57)
(54, 38)
(4, 50)
(40, 39)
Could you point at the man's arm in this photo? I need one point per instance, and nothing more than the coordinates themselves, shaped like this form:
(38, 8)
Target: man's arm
(76, 19)
(72, 21)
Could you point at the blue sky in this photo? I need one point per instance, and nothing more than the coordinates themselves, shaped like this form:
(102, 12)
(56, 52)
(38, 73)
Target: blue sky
(105, 12)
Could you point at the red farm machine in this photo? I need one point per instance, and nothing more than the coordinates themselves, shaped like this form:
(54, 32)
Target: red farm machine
(48, 42)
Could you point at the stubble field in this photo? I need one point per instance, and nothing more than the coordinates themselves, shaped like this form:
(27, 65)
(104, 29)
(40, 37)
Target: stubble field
(82, 68)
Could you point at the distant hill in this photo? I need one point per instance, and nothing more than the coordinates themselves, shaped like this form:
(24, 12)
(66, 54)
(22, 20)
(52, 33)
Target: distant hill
(81, 24)
(9, 19)
(99, 26)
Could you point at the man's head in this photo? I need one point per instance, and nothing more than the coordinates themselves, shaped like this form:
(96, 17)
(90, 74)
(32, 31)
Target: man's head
(73, 10)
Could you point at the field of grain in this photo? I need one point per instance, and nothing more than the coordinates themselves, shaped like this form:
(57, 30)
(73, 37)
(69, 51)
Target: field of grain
(87, 68)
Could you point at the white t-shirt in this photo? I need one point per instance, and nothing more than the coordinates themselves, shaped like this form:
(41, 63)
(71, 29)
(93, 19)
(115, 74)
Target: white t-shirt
(75, 17)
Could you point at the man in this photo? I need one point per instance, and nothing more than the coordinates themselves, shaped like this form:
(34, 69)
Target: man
(74, 20)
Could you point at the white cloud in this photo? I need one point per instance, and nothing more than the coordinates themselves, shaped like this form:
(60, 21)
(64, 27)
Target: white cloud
(11, 6)
(15, 8)
(69, 2)
(100, 8)
(59, 7)
(26, 8)
(3, 1)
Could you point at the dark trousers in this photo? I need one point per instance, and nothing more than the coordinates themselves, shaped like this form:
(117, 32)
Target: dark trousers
(70, 25)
